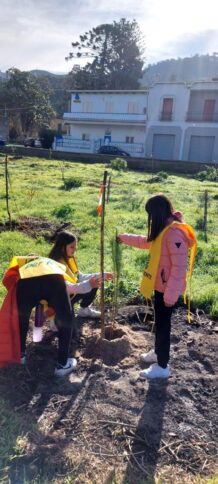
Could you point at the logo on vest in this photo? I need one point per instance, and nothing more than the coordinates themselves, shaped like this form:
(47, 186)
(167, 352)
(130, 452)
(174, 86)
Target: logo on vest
(147, 274)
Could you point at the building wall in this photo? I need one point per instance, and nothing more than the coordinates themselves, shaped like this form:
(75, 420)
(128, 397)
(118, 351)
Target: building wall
(130, 102)
(118, 133)
(173, 136)
(184, 96)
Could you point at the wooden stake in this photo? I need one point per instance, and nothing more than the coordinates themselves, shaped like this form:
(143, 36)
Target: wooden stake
(205, 214)
(6, 190)
(102, 254)
(108, 189)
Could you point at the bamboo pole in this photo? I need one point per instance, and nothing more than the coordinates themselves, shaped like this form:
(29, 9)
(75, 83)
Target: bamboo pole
(102, 255)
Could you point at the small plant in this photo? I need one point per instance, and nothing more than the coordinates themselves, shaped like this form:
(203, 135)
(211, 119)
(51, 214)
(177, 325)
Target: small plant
(118, 164)
(72, 183)
(161, 176)
(31, 193)
(117, 260)
(63, 212)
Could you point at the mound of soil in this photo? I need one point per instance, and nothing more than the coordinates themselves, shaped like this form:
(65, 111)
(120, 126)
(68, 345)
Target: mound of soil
(113, 348)
(103, 424)
(35, 227)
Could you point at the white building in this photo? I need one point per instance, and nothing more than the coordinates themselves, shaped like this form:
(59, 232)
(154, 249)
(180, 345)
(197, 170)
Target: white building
(105, 117)
(170, 121)
(183, 121)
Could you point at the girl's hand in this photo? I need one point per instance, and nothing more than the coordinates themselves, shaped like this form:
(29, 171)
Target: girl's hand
(119, 238)
(168, 305)
(108, 276)
(95, 281)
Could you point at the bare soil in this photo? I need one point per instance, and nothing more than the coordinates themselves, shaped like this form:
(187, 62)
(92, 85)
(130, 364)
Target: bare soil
(36, 227)
(102, 424)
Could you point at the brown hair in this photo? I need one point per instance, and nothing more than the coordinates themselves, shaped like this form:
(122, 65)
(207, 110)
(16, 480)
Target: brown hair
(61, 241)
(159, 209)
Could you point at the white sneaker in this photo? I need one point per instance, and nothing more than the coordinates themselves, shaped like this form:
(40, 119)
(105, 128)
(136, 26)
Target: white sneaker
(23, 359)
(70, 366)
(88, 313)
(149, 357)
(53, 327)
(155, 371)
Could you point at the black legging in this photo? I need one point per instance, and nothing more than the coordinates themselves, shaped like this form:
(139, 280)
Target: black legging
(52, 288)
(163, 329)
(86, 299)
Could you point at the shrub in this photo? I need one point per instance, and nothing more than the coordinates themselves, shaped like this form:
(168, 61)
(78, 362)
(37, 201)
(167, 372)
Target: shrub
(13, 133)
(210, 174)
(72, 183)
(64, 211)
(47, 137)
(118, 164)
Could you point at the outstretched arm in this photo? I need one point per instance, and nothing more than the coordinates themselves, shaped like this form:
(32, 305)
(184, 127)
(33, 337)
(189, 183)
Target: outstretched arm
(138, 241)
(83, 287)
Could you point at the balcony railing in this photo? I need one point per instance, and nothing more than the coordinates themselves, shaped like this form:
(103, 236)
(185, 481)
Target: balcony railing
(164, 116)
(202, 117)
(121, 118)
(69, 143)
(74, 143)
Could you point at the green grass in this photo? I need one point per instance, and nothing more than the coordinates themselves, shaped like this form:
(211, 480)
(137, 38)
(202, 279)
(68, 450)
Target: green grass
(36, 189)
(13, 438)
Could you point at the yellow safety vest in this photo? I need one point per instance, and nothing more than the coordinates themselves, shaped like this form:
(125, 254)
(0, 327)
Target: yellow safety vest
(150, 273)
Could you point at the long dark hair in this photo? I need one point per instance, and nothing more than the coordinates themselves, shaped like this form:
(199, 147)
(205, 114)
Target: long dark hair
(62, 239)
(159, 209)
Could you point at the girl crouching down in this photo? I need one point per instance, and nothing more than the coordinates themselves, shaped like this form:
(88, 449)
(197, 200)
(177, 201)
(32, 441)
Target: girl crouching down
(80, 289)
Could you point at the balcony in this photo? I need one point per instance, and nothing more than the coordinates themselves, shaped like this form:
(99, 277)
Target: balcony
(101, 118)
(164, 116)
(200, 117)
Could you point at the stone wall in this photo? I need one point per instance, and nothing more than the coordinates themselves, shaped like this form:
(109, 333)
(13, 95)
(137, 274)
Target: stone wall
(133, 163)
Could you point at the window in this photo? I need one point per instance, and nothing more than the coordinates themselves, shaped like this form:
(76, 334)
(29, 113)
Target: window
(109, 107)
(87, 107)
(209, 107)
(167, 111)
(129, 139)
(85, 137)
(133, 107)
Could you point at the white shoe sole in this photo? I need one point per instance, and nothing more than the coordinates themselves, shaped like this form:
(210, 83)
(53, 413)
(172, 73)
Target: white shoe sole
(60, 372)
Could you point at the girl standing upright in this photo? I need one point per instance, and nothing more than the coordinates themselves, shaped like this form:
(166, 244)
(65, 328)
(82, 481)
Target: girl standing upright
(168, 241)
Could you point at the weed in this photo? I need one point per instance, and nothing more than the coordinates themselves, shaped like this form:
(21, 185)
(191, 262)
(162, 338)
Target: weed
(118, 164)
(210, 174)
(72, 183)
(63, 212)
(161, 176)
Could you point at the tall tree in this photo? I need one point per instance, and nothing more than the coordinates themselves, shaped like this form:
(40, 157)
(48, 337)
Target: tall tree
(117, 53)
(26, 99)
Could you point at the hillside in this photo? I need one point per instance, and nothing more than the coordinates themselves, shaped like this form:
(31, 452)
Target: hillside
(188, 69)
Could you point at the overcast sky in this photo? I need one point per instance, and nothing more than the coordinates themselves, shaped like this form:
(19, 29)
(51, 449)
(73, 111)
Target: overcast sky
(37, 34)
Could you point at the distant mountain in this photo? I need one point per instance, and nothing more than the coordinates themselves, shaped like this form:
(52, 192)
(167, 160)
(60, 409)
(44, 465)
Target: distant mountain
(2, 75)
(199, 67)
(41, 73)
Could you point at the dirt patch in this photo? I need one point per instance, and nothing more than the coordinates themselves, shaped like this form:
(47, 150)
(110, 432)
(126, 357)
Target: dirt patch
(36, 227)
(103, 424)
(113, 348)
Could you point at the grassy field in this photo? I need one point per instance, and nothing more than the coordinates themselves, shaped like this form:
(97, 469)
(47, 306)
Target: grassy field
(36, 189)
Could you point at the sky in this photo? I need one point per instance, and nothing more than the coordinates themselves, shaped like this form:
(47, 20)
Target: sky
(37, 34)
